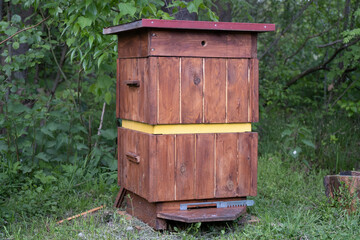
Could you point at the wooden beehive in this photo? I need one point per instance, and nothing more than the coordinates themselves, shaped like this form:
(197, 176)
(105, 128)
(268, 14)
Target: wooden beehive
(187, 93)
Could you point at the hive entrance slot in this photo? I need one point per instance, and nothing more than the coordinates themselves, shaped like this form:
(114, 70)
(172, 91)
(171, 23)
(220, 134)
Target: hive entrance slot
(211, 205)
(203, 43)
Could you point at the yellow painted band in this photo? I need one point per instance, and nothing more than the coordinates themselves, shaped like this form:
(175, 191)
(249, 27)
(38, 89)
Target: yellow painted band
(187, 128)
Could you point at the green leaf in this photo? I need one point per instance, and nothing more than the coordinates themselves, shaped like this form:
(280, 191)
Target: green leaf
(308, 143)
(108, 97)
(16, 18)
(3, 146)
(91, 40)
(43, 157)
(127, 9)
(84, 22)
(10, 31)
(109, 134)
(191, 7)
(15, 45)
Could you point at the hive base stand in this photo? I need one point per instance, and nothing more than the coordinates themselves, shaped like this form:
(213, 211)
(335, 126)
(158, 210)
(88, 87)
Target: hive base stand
(156, 215)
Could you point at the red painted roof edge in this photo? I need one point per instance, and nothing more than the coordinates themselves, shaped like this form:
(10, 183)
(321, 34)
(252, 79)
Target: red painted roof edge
(198, 25)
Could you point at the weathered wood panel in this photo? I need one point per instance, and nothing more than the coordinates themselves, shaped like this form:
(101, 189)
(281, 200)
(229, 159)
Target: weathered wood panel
(226, 165)
(132, 98)
(142, 209)
(191, 90)
(254, 163)
(162, 169)
(237, 92)
(205, 166)
(244, 144)
(185, 178)
(188, 166)
(168, 90)
(151, 90)
(215, 90)
(120, 172)
(133, 44)
(117, 88)
(254, 91)
(200, 44)
(188, 90)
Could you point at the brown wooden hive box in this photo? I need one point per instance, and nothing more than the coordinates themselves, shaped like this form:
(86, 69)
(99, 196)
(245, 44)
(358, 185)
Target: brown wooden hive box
(187, 93)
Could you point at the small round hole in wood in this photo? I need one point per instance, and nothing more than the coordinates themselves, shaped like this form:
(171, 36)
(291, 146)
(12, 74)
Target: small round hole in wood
(203, 43)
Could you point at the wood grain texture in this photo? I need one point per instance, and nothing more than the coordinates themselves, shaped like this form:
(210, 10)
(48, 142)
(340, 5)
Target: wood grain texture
(145, 211)
(134, 176)
(117, 88)
(131, 99)
(188, 166)
(151, 97)
(204, 166)
(226, 165)
(120, 173)
(189, 43)
(237, 92)
(215, 90)
(244, 144)
(133, 44)
(254, 45)
(185, 178)
(254, 163)
(203, 214)
(168, 90)
(254, 90)
(132, 171)
(162, 169)
(191, 90)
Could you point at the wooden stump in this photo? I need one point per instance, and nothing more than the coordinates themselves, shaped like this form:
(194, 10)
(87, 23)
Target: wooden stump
(345, 188)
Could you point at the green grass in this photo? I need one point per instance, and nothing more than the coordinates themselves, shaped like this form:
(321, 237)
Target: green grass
(291, 204)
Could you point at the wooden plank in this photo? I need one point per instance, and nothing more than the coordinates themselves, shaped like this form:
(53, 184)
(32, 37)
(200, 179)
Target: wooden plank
(175, 205)
(199, 25)
(254, 91)
(185, 178)
(226, 165)
(203, 214)
(139, 100)
(162, 169)
(135, 174)
(120, 173)
(145, 211)
(192, 43)
(254, 45)
(215, 90)
(120, 197)
(237, 90)
(168, 90)
(204, 166)
(254, 163)
(143, 166)
(128, 99)
(150, 78)
(131, 142)
(133, 44)
(244, 145)
(117, 88)
(191, 90)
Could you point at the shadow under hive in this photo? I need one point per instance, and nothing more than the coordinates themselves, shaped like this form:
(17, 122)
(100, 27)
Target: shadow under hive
(186, 94)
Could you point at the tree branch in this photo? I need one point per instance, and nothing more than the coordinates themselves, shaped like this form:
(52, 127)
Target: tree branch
(287, 28)
(343, 93)
(330, 43)
(22, 30)
(304, 43)
(321, 66)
